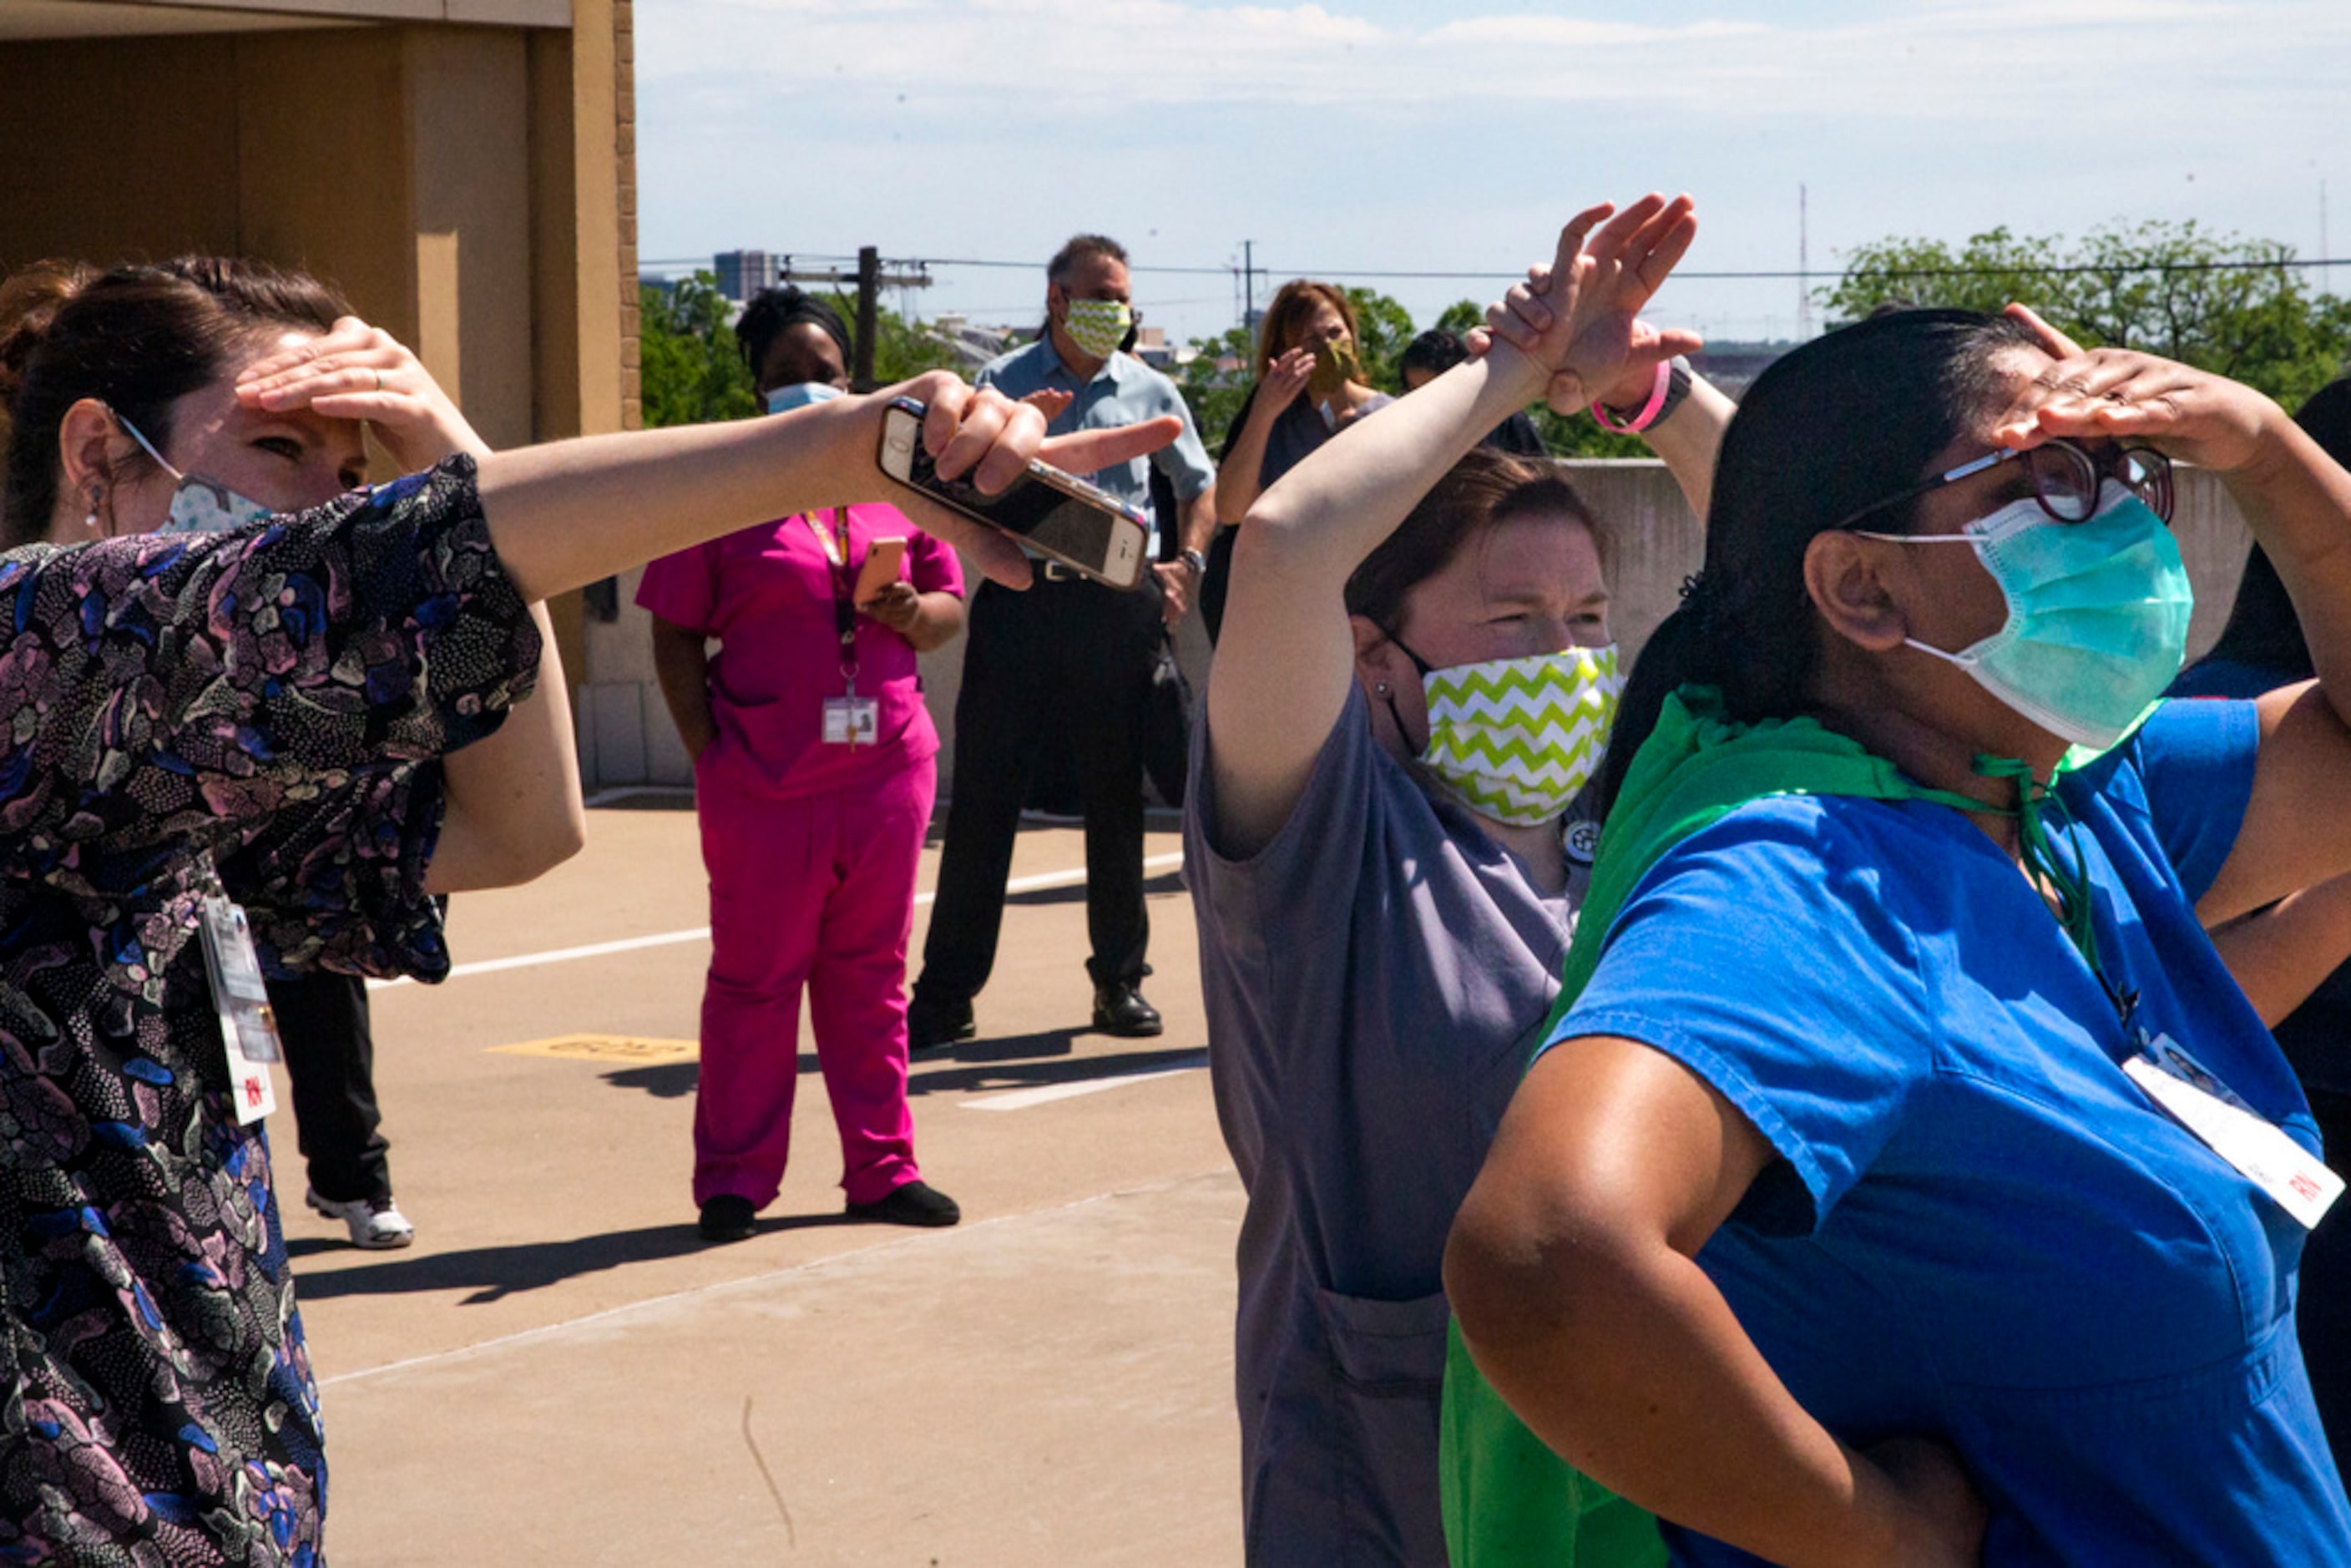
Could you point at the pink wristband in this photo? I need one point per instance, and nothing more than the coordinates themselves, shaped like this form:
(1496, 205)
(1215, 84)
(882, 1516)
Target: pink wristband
(1648, 414)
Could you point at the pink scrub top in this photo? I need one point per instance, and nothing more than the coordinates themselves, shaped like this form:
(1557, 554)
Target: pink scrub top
(766, 595)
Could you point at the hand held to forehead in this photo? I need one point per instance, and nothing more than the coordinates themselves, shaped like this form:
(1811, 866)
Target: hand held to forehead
(2122, 396)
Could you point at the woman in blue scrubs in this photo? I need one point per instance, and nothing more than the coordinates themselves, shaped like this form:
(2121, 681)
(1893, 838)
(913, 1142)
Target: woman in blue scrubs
(1842, 1218)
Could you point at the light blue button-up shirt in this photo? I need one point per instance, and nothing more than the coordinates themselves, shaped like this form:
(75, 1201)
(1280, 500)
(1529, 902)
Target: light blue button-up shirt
(1124, 392)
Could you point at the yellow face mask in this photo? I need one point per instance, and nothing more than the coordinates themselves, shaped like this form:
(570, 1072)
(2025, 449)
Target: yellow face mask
(1335, 366)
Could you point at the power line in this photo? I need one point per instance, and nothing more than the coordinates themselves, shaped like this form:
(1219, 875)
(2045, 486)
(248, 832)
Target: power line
(1761, 275)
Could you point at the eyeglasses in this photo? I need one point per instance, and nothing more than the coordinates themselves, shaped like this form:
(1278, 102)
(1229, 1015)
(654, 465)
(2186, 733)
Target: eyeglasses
(2066, 478)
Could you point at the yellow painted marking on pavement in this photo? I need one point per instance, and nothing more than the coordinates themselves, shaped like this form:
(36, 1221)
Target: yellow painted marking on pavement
(606, 1048)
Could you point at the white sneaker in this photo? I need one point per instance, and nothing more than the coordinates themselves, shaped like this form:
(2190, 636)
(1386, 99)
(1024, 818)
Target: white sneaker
(376, 1223)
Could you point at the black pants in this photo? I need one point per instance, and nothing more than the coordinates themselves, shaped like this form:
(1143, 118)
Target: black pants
(1067, 657)
(322, 1019)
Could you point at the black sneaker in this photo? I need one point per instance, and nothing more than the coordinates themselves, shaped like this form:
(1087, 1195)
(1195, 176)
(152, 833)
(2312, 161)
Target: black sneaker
(916, 1203)
(932, 1023)
(728, 1217)
(1119, 1010)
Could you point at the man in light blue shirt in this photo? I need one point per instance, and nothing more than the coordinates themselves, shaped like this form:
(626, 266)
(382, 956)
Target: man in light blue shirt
(1069, 658)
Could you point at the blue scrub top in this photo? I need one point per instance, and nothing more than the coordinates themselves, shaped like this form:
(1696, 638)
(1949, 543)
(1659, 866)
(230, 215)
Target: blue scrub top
(1978, 1227)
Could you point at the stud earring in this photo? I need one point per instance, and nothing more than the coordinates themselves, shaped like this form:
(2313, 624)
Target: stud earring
(1379, 687)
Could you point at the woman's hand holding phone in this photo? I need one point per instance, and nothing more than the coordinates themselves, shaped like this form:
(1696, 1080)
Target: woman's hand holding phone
(980, 432)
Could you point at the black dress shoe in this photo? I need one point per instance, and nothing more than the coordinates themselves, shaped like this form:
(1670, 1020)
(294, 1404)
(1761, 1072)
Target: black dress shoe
(931, 1023)
(1119, 1010)
(916, 1203)
(728, 1217)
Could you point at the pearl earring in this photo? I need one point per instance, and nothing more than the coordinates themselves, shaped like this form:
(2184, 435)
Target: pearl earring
(1379, 687)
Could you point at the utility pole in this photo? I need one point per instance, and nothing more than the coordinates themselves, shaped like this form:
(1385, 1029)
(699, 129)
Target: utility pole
(1803, 266)
(869, 279)
(1249, 284)
(2326, 273)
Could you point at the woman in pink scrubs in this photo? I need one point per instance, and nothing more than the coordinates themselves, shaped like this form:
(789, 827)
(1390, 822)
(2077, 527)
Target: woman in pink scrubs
(814, 779)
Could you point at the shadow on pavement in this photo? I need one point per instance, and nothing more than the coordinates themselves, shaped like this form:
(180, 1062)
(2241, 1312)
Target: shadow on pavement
(1033, 1074)
(1165, 882)
(493, 1273)
(1016, 1061)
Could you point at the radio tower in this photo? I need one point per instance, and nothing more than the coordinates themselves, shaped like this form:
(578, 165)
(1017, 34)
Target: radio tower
(1803, 266)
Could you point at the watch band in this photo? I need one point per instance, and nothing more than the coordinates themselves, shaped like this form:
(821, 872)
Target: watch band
(1196, 561)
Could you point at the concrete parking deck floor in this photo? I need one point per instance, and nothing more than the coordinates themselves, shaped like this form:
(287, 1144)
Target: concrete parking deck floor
(559, 1371)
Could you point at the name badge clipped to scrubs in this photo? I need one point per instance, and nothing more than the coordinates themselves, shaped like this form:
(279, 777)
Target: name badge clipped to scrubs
(848, 719)
(249, 1027)
(2260, 1150)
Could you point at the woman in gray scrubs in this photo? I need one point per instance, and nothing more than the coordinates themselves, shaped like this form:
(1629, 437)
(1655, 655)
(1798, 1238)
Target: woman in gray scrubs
(1415, 677)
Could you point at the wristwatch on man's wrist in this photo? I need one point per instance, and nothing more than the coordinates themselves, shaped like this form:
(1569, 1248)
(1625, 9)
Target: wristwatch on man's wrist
(1196, 561)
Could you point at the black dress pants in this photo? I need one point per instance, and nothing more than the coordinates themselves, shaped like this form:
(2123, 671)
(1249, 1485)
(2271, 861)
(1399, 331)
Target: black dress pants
(1068, 657)
(323, 1020)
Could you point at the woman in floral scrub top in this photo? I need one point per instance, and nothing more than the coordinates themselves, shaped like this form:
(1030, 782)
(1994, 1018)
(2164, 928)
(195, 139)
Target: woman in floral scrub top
(166, 699)
(278, 695)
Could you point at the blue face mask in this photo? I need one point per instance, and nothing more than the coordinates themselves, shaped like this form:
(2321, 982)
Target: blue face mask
(200, 505)
(783, 399)
(2098, 614)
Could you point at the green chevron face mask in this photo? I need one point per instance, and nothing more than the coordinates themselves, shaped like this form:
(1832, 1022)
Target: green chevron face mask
(1515, 739)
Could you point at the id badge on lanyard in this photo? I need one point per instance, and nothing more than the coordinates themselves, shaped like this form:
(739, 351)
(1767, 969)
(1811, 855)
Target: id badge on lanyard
(247, 1024)
(2260, 1150)
(848, 719)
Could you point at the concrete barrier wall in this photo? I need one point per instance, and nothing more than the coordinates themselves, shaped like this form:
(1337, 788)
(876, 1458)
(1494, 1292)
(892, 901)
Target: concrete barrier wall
(626, 737)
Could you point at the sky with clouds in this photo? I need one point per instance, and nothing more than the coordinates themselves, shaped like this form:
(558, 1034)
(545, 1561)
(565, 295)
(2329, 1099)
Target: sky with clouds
(1362, 136)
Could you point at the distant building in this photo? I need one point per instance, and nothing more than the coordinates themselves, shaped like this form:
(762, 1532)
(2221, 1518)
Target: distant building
(1732, 366)
(972, 345)
(743, 272)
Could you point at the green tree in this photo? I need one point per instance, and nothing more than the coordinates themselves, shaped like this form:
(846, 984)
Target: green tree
(1382, 329)
(1215, 394)
(2225, 304)
(690, 370)
(903, 349)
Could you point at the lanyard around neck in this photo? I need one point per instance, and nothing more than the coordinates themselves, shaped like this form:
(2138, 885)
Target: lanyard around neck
(835, 544)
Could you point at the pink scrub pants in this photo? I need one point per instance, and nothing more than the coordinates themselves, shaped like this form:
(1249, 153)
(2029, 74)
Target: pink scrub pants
(816, 891)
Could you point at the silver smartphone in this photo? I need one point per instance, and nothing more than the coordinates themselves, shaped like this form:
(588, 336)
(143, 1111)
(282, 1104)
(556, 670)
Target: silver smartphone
(1055, 513)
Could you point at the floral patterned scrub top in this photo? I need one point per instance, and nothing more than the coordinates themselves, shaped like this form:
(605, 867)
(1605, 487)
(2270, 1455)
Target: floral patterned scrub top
(280, 690)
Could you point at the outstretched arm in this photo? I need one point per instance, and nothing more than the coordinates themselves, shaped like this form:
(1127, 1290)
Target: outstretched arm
(570, 512)
(1288, 652)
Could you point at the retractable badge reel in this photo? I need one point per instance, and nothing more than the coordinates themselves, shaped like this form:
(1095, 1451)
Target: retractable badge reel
(848, 719)
(2259, 1149)
(248, 1026)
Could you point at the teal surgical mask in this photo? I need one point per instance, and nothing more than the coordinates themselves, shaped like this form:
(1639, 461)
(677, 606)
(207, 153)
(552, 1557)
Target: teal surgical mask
(1516, 739)
(800, 394)
(2098, 614)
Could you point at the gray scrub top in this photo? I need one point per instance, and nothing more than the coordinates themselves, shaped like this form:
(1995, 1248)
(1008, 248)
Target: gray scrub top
(1377, 978)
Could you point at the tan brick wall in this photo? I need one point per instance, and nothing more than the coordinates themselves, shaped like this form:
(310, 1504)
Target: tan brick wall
(624, 103)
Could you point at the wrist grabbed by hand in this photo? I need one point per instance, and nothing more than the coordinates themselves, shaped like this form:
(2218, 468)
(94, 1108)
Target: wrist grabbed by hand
(1671, 387)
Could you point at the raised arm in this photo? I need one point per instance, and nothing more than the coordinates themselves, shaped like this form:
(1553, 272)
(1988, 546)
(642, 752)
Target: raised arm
(2283, 954)
(1287, 653)
(1572, 1273)
(1237, 476)
(511, 806)
(2297, 501)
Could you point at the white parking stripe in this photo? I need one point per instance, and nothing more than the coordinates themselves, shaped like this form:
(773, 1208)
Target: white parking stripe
(1021, 1099)
(702, 932)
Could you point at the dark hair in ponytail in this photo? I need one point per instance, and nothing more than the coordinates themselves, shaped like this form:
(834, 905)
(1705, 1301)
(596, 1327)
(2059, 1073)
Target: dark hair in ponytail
(1852, 417)
(137, 339)
(773, 310)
